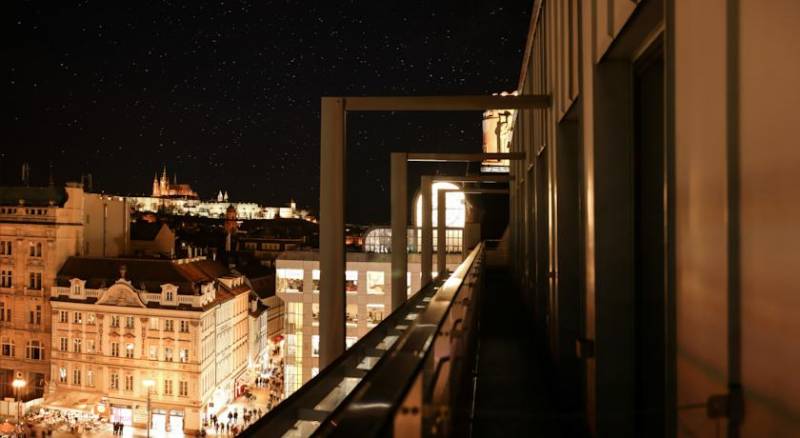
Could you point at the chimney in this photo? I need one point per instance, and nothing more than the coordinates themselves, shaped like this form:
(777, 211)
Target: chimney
(26, 174)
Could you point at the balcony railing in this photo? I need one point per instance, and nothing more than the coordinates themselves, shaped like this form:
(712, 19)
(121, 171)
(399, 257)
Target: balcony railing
(402, 378)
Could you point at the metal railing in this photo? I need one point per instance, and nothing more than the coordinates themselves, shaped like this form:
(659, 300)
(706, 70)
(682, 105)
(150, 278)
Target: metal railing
(403, 378)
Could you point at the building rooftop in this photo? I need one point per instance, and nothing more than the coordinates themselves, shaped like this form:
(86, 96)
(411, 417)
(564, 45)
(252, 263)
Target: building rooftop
(33, 196)
(144, 274)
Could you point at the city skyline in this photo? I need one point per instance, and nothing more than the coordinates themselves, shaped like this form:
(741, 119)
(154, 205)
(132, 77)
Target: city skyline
(228, 96)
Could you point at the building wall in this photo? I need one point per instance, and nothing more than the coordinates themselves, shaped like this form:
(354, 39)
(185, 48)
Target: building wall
(107, 225)
(59, 233)
(110, 372)
(302, 307)
(728, 300)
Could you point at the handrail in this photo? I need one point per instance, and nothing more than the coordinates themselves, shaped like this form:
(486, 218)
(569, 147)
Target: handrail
(367, 400)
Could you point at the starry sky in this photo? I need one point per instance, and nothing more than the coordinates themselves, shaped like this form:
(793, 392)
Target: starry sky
(226, 94)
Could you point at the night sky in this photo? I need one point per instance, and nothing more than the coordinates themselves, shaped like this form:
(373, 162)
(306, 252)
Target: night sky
(227, 94)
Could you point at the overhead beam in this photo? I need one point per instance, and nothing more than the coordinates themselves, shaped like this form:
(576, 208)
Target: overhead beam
(445, 103)
(474, 178)
(426, 252)
(439, 157)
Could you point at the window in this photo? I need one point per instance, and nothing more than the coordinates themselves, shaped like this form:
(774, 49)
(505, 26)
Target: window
(64, 344)
(315, 346)
(76, 345)
(315, 280)
(129, 383)
(374, 313)
(3, 312)
(153, 352)
(35, 351)
(129, 351)
(167, 387)
(76, 377)
(153, 323)
(7, 347)
(289, 280)
(5, 278)
(62, 375)
(351, 282)
(315, 314)
(183, 356)
(184, 326)
(35, 316)
(90, 318)
(115, 349)
(129, 322)
(78, 318)
(115, 321)
(5, 247)
(35, 281)
(63, 316)
(169, 325)
(375, 282)
(89, 378)
(169, 296)
(351, 315)
(36, 249)
(167, 354)
(90, 346)
(183, 389)
(114, 381)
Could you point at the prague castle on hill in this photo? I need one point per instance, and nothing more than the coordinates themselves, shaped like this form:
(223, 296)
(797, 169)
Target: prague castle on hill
(181, 199)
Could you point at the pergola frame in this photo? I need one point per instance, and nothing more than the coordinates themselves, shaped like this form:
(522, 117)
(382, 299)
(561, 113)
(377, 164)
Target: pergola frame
(333, 135)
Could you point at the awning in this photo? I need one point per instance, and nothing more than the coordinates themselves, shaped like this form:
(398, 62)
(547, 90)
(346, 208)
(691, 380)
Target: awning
(73, 400)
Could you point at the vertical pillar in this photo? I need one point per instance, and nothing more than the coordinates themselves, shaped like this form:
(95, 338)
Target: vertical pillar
(441, 233)
(331, 220)
(399, 198)
(427, 230)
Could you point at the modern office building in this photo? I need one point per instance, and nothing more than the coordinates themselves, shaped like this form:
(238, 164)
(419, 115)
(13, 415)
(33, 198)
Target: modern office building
(40, 227)
(128, 330)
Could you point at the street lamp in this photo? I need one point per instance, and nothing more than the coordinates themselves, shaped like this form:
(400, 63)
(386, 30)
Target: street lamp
(148, 383)
(18, 384)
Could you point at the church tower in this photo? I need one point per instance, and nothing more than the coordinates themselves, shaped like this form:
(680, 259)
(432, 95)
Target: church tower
(156, 190)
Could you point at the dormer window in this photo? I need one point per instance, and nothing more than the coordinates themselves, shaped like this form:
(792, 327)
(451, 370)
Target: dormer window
(168, 293)
(76, 287)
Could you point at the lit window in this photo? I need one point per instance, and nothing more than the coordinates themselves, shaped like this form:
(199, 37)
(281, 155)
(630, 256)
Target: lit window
(375, 282)
(129, 351)
(315, 280)
(289, 280)
(315, 346)
(351, 281)
(62, 375)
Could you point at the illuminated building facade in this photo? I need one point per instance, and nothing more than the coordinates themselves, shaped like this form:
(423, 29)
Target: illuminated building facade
(180, 326)
(40, 227)
(367, 283)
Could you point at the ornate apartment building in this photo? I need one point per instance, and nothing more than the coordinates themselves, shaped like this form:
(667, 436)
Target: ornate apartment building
(177, 329)
(40, 227)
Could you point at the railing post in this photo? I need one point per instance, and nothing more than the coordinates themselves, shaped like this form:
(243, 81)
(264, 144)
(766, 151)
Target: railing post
(331, 245)
(427, 230)
(441, 233)
(399, 198)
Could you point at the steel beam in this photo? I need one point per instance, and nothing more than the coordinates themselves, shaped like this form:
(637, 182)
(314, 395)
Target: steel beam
(474, 178)
(399, 198)
(332, 258)
(439, 157)
(445, 103)
(427, 230)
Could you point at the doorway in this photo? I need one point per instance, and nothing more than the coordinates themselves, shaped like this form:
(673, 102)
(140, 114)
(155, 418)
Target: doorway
(649, 193)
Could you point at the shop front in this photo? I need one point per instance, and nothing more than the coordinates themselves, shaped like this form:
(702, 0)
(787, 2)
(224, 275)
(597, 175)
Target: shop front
(122, 414)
